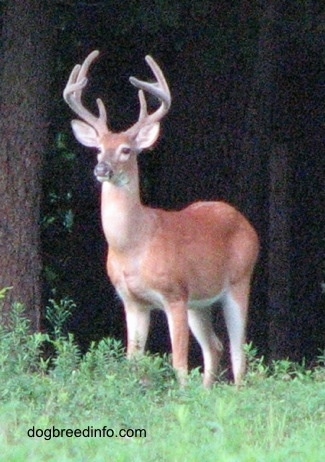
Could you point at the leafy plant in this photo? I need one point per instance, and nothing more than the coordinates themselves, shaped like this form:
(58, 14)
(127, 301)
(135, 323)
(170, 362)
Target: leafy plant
(3, 292)
(285, 369)
(19, 350)
(58, 313)
(256, 365)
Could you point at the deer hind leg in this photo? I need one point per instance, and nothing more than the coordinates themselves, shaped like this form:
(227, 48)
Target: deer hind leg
(137, 322)
(235, 306)
(201, 326)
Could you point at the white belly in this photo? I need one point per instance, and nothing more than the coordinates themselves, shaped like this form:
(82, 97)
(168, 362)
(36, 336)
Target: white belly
(197, 304)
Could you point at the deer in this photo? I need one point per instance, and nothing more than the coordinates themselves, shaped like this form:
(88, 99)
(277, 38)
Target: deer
(181, 262)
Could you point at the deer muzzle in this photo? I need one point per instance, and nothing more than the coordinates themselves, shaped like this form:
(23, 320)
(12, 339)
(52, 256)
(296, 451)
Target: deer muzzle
(103, 171)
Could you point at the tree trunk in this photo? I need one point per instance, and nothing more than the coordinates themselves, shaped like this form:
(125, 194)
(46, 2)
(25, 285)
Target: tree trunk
(25, 100)
(279, 287)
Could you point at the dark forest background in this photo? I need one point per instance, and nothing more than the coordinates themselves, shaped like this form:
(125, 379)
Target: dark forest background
(245, 126)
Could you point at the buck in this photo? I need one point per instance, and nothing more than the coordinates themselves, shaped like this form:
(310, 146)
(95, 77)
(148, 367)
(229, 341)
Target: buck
(182, 262)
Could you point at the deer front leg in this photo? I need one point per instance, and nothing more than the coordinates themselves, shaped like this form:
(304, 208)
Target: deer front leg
(179, 334)
(137, 322)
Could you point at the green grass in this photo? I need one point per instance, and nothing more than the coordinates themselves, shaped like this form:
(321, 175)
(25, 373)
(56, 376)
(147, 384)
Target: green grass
(279, 415)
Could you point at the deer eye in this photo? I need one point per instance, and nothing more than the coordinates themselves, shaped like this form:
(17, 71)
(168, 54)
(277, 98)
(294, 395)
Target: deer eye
(126, 150)
(124, 154)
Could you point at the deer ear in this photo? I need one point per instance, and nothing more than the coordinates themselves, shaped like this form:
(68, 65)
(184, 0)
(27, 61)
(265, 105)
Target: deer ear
(147, 136)
(85, 134)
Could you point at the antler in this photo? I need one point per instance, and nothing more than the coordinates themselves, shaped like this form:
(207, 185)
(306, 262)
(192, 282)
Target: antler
(159, 89)
(73, 92)
(78, 80)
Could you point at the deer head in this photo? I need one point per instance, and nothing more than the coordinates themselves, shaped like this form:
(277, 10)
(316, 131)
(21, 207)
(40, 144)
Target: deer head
(116, 151)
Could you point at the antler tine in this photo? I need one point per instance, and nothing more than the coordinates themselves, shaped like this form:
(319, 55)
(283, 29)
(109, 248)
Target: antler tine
(143, 106)
(158, 89)
(160, 78)
(73, 92)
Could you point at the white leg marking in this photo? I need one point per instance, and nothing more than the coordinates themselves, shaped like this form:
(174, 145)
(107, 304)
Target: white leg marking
(137, 321)
(235, 316)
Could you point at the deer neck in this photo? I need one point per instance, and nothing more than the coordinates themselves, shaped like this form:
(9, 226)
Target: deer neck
(125, 220)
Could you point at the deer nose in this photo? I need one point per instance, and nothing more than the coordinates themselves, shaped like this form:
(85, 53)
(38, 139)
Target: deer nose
(103, 171)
